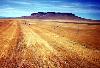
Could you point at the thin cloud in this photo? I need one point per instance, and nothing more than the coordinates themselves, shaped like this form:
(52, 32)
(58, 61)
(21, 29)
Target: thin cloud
(56, 1)
(14, 12)
(6, 9)
(21, 2)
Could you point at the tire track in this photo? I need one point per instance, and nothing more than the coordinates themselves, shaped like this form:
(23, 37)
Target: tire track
(89, 56)
(6, 38)
(8, 42)
(39, 48)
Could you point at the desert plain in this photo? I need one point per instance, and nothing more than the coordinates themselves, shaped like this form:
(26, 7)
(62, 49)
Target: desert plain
(31, 43)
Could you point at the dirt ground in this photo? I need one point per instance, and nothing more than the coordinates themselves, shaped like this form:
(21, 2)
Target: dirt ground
(26, 43)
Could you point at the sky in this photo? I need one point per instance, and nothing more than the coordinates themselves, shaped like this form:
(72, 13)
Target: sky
(89, 9)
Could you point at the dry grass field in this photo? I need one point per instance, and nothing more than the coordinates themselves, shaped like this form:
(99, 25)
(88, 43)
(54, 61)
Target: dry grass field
(26, 43)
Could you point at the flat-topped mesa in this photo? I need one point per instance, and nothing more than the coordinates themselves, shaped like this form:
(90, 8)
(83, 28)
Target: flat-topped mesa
(53, 13)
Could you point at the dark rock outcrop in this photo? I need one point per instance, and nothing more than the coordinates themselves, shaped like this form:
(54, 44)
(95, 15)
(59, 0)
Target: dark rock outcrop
(53, 15)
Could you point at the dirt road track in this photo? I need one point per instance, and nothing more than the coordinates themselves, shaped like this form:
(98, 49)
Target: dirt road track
(31, 46)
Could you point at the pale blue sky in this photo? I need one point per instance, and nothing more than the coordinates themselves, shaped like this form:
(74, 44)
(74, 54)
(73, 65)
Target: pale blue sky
(84, 8)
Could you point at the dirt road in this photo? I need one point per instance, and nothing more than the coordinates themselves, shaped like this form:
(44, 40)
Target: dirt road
(36, 44)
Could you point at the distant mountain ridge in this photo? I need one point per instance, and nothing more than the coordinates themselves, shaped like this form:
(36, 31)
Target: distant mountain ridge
(53, 15)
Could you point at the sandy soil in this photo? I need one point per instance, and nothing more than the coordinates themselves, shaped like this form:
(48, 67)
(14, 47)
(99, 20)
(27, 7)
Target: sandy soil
(48, 44)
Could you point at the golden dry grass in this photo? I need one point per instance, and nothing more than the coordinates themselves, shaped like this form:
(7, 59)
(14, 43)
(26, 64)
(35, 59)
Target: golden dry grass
(48, 44)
